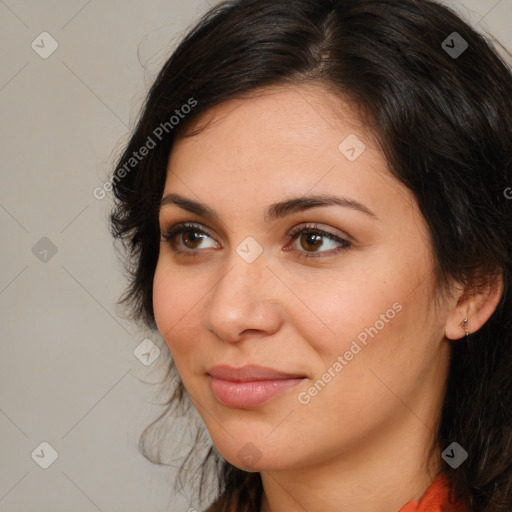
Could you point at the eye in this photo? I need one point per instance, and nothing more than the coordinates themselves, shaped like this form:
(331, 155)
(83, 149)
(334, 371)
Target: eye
(311, 238)
(185, 238)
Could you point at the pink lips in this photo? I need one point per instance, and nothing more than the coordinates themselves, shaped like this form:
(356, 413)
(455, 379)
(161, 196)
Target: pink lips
(250, 385)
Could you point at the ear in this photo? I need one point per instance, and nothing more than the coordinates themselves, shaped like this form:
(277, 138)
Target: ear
(475, 305)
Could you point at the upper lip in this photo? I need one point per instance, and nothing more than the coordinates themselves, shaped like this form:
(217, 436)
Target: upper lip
(249, 373)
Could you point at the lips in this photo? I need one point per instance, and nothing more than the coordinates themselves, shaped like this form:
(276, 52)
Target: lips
(249, 386)
(250, 373)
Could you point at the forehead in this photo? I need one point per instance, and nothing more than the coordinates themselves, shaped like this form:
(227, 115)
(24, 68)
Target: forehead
(280, 115)
(272, 127)
(280, 142)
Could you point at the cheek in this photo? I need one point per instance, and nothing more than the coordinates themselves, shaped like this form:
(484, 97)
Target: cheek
(372, 313)
(173, 305)
(348, 310)
(378, 352)
(162, 302)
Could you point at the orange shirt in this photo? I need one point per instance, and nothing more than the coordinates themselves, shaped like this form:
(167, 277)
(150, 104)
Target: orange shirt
(435, 499)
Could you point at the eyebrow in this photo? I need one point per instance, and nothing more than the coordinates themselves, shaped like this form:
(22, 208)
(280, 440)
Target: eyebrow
(274, 211)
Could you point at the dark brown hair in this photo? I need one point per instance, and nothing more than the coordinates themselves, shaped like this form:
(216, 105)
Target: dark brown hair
(444, 124)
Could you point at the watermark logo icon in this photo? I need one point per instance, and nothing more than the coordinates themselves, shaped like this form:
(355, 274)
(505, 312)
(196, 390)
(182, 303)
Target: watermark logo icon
(454, 455)
(249, 454)
(44, 249)
(249, 250)
(44, 45)
(454, 45)
(352, 147)
(45, 455)
(147, 352)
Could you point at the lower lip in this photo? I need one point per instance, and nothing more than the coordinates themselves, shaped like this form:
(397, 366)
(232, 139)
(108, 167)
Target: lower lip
(245, 395)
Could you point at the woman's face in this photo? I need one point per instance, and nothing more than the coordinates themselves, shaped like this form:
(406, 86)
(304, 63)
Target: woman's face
(345, 309)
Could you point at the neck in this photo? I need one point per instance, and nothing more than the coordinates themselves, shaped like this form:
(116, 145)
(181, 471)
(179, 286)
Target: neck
(381, 476)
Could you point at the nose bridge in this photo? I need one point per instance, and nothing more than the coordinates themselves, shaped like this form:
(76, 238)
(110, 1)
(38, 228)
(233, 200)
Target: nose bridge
(243, 298)
(244, 282)
(247, 267)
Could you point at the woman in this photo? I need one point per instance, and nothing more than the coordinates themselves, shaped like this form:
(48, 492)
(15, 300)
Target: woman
(318, 223)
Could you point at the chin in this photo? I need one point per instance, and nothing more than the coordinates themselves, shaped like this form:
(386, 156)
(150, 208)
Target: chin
(252, 456)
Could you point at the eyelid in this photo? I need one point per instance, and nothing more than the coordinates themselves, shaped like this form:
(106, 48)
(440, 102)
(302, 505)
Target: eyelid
(327, 231)
(168, 231)
(165, 229)
(169, 234)
(343, 241)
(167, 225)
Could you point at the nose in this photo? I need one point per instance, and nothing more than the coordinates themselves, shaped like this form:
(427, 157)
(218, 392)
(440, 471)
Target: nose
(244, 302)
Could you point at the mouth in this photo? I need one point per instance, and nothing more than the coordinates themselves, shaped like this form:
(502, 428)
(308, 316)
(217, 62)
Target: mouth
(249, 386)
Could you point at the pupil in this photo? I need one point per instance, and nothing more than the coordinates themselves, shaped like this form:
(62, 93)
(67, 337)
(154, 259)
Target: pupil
(191, 238)
(314, 240)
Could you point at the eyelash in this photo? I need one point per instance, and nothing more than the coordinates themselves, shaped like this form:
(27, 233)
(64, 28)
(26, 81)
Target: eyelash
(178, 229)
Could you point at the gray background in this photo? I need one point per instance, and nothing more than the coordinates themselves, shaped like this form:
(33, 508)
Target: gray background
(68, 373)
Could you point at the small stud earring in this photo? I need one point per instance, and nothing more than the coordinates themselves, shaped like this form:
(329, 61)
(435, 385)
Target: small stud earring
(463, 325)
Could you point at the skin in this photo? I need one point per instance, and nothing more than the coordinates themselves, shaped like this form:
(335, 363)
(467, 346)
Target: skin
(298, 315)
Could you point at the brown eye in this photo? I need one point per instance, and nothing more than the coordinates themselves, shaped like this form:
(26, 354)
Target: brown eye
(192, 239)
(308, 241)
(183, 238)
(311, 241)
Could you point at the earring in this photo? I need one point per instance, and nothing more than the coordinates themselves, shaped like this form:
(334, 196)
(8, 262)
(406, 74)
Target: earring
(463, 325)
